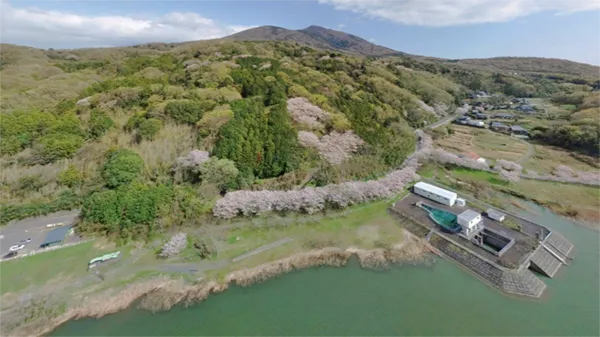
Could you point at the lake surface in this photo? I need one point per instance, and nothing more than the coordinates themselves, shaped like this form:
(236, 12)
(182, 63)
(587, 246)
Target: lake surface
(408, 300)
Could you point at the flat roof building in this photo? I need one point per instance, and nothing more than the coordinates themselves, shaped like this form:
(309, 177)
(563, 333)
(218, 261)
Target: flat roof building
(435, 193)
(469, 220)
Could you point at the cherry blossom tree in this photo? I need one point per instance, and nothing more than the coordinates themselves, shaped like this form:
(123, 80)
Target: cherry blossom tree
(174, 246)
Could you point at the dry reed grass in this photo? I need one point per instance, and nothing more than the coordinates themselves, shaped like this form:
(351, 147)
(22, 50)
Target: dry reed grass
(162, 293)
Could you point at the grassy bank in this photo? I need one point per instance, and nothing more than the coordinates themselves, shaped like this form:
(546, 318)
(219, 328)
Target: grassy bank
(52, 267)
(365, 226)
(61, 281)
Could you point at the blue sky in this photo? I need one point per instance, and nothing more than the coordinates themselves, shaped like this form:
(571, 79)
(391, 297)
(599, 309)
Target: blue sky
(567, 29)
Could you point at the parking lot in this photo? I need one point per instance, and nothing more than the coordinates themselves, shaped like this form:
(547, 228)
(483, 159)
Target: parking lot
(34, 229)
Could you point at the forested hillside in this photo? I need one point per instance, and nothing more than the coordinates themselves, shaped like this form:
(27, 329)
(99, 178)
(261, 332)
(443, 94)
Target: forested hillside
(148, 137)
(112, 130)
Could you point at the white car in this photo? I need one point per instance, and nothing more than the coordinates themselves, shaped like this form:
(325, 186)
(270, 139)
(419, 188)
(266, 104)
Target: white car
(16, 247)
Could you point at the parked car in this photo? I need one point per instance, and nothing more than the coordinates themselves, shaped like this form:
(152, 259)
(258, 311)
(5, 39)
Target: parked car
(16, 247)
(28, 240)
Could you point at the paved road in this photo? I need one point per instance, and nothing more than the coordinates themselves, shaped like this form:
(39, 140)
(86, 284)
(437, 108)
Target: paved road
(441, 122)
(34, 229)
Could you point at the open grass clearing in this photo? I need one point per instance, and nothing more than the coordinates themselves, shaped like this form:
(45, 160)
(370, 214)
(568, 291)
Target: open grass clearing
(547, 158)
(485, 143)
(363, 226)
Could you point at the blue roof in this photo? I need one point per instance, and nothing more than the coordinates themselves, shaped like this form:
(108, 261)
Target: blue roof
(56, 235)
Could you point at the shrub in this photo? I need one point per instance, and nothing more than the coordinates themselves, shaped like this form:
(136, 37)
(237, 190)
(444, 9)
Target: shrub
(70, 177)
(68, 124)
(56, 146)
(122, 167)
(220, 172)
(187, 111)
(133, 209)
(99, 124)
(30, 183)
(149, 128)
(103, 208)
(66, 201)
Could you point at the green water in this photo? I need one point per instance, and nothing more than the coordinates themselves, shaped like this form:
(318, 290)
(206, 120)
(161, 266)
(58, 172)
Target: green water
(437, 300)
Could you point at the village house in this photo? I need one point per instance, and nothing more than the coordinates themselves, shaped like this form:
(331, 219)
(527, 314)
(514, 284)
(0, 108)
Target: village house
(503, 115)
(518, 130)
(500, 127)
(525, 108)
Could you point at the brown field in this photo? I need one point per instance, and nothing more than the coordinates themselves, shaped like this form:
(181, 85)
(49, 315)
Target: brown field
(488, 144)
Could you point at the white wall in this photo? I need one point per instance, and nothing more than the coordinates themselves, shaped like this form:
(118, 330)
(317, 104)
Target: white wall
(434, 197)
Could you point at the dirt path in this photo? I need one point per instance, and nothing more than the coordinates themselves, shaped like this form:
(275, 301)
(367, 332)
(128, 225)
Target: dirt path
(530, 152)
(262, 249)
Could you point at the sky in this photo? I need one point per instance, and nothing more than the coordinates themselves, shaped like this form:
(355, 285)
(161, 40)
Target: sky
(567, 29)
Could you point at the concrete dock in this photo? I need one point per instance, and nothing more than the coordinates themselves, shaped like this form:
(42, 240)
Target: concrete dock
(536, 247)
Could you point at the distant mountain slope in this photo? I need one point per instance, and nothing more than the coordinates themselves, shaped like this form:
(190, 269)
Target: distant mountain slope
(533, 64)
(316, 37)
(323, 38)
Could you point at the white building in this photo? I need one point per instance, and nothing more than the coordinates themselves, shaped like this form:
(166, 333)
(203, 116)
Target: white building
(495, 215)
(435, 193)
(469, 221)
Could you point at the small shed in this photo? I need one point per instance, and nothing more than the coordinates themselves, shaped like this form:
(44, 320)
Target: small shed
(55, 237)
(469, 220)
(495, 215)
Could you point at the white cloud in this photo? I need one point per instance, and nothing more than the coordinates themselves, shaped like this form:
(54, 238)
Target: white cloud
(341, 25)
(45, 29)
(439, 13)
(372, 40)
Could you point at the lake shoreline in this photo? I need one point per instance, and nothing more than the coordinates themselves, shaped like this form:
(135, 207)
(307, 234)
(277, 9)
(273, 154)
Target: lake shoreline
(162, 293)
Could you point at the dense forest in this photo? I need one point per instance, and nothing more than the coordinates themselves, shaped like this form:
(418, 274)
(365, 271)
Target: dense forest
(145, 138)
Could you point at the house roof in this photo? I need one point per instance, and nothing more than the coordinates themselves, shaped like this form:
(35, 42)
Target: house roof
(472, 155)
(494, 213)
(503, 115)
(468, 215)
(56, 235)
(498, 125)
(517, 128)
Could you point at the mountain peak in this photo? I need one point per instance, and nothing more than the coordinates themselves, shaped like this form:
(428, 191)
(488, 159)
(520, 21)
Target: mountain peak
(316, 37)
